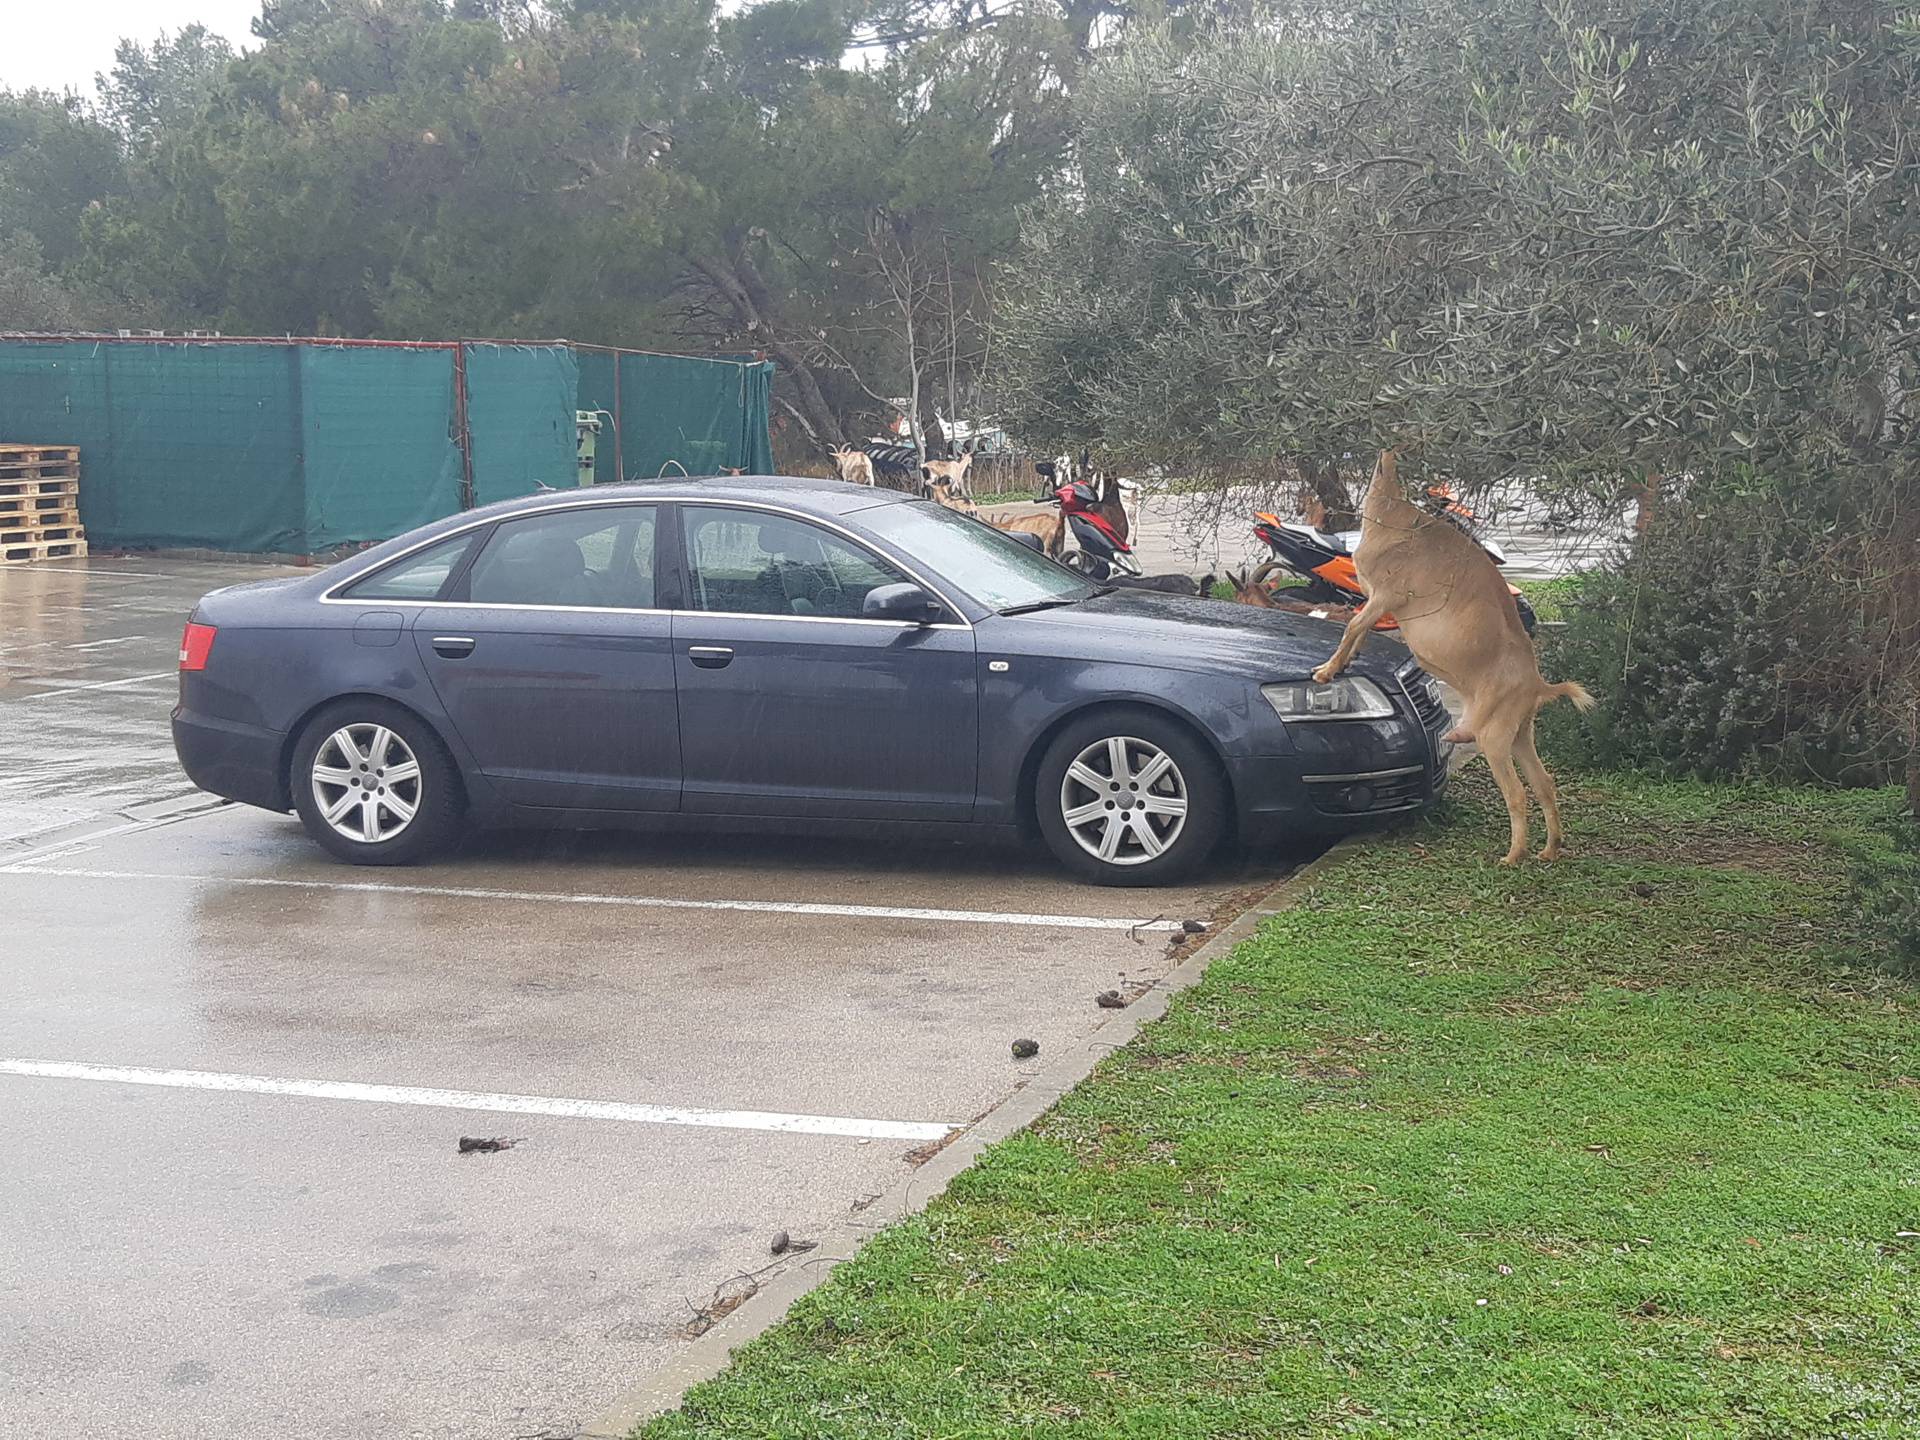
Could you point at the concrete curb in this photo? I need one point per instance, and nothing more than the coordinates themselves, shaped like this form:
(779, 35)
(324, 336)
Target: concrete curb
(707, 1356)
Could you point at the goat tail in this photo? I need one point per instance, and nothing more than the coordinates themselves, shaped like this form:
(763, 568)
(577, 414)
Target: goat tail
(1569, 690)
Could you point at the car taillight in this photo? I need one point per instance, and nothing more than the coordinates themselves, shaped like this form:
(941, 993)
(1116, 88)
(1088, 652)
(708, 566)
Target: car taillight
(195, 645)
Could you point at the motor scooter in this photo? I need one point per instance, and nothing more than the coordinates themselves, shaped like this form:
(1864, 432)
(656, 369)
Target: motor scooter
(1101, 551)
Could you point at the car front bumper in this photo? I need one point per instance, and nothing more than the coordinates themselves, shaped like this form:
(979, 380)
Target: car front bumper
(1351, 774)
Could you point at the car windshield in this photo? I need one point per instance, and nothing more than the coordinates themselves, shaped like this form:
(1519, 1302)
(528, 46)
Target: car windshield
(988, 564)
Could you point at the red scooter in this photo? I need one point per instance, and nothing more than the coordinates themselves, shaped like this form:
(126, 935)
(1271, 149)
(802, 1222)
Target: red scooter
(1101, 551)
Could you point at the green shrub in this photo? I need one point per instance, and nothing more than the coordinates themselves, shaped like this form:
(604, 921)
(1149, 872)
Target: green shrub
(1722, 646)
(1886, 887)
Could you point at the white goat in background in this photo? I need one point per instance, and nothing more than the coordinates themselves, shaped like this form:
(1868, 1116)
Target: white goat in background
(855, 466)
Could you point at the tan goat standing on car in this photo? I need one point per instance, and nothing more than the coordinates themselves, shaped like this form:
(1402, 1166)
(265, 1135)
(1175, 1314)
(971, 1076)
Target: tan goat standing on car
(1457, 617)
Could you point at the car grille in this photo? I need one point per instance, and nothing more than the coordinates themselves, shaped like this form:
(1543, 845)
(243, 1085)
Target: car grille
(1423, 693)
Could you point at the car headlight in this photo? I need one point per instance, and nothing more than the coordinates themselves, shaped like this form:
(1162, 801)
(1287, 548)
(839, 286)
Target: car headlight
(1348, 698)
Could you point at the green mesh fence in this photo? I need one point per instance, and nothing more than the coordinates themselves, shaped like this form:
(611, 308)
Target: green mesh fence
(520, 404)
(304, 446)
(707, 415)
(180, 445)
(56, 395)
(596, 394)
(377, 438)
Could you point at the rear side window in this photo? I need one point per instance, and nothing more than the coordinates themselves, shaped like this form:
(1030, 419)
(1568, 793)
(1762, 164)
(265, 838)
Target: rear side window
(596, 558)
(420, 576)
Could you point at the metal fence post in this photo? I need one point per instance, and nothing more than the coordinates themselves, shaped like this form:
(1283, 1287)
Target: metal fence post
(619, 460)
(465, 431)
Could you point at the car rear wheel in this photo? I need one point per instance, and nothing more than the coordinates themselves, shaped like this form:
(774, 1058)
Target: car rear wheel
(1129, 797)
(374, 785)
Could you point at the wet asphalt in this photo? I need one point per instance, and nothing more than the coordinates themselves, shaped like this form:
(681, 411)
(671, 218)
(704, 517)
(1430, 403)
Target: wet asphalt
(300, 1246)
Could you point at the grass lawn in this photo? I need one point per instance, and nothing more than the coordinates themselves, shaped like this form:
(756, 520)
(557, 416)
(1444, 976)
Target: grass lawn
(1619, 1147)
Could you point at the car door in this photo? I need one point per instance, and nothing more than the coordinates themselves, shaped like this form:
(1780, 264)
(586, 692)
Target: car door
(555, 665)
(790, 702)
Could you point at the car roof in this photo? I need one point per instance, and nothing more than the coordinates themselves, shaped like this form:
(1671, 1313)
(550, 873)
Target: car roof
(822, 497)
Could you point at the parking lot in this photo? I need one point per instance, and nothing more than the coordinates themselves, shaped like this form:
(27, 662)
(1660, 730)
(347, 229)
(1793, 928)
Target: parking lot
(235, 1072)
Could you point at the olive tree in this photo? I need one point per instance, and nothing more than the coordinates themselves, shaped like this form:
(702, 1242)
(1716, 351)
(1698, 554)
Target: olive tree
(1592, 244)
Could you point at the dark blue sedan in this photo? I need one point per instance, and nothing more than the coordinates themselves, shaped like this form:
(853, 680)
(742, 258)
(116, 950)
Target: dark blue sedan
(769, 653)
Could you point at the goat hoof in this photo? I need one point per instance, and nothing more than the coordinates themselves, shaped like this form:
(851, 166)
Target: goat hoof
(1550, 853)
(1458, 737)
(1513, 857)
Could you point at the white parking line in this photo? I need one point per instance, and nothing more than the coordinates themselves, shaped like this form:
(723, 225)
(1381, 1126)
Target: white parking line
(103, 685)
(183, 808)
(643, 902)
(117, 640)
(89, 572)
(472, 1100)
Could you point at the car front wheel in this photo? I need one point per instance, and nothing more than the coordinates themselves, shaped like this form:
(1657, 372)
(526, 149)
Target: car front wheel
(1129, 797)
(374, 785)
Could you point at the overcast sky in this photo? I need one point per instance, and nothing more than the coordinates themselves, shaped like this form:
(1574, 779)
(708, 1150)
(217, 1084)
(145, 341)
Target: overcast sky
(61, 44)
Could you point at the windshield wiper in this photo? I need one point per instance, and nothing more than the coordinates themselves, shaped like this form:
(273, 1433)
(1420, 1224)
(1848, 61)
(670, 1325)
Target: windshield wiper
(1057, 601)
(1032, 606)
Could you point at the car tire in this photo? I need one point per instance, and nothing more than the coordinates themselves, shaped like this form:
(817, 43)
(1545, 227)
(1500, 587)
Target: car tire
(381, 773)
(1107, 845)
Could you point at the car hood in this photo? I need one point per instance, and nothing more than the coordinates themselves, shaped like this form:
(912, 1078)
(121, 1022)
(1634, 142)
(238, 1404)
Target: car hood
(1181, 632)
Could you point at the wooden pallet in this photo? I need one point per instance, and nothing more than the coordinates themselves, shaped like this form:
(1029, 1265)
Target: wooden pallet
(40, 504)
(17, 508)
(30, 485)
(62, 470)
(42, 550)
(26, 534)
(39, 462)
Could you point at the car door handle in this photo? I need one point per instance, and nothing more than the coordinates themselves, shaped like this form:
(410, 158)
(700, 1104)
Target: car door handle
(453, 647)
(710, 657)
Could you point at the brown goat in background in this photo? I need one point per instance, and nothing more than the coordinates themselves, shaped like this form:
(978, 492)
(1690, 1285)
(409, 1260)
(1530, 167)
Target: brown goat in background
(943, 493)
(1052, 529)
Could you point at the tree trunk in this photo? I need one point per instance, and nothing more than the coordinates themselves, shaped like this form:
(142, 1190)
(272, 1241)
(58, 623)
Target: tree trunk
(914, 425)
(1324, 484)
(736, 282)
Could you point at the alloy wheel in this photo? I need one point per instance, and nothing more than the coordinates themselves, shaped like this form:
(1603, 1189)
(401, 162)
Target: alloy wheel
(366, 783)
(1124, 800)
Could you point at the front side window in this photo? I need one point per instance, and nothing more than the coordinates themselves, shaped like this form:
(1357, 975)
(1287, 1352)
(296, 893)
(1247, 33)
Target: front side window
(748, 562)
(595, 558)
(418, 577)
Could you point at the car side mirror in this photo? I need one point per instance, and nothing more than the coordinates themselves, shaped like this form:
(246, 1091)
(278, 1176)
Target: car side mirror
(1027, 538)
(901, 602)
